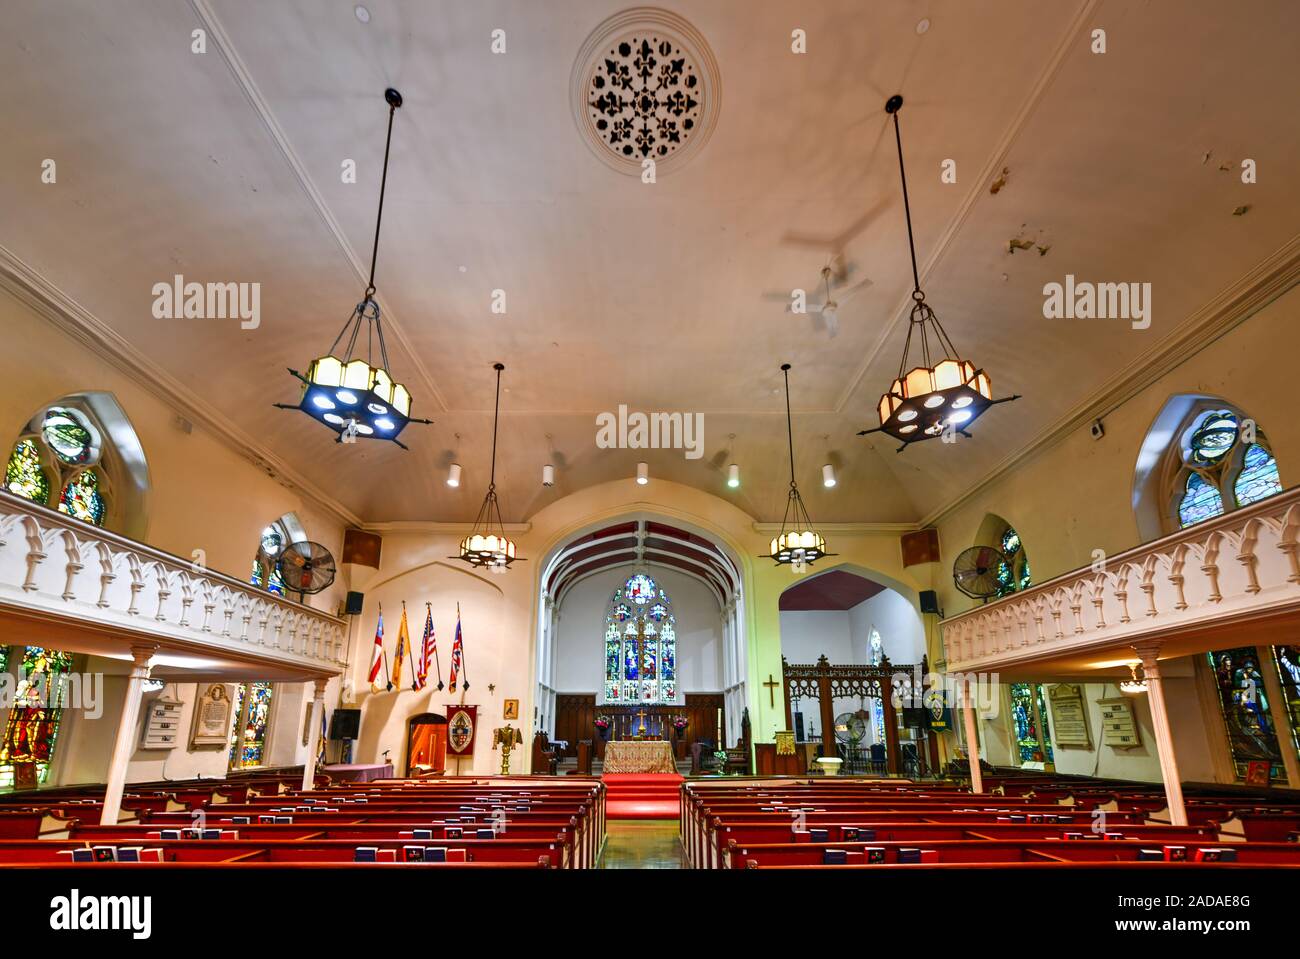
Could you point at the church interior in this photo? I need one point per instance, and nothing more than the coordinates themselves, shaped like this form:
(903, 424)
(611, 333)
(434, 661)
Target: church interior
(736, 435)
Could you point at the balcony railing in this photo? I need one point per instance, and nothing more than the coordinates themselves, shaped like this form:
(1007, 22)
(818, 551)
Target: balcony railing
(62, 569)
(1234, 568)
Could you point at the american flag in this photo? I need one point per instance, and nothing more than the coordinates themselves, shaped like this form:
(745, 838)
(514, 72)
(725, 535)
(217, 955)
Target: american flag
(457, 654)
(427, 647)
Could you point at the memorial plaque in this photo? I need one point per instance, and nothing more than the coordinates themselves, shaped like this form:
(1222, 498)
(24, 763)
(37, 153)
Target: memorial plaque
(1118, 727)
(1069, 716)
(212, 717)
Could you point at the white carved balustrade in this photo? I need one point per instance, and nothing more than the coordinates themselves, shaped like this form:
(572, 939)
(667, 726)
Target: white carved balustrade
(62, 567)
(1234, 567)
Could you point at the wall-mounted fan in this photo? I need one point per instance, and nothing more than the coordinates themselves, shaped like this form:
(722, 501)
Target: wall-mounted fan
(305, 567)
(975, 571)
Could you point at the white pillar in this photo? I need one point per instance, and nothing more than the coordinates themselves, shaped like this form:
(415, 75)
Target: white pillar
(313, 737)
(125, 745)
(1148, 652)
(972, 745)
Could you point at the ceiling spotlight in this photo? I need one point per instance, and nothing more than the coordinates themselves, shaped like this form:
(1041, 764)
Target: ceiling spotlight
(453, 475)
(828, 475)
(362, 13)
(642, 473)
(733, 476)
(548, 475)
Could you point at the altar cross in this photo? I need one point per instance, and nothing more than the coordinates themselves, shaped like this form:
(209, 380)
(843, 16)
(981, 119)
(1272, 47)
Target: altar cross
(771, 685)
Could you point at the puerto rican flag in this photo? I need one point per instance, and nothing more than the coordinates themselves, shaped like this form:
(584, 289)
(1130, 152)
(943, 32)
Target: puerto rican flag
(377, 655)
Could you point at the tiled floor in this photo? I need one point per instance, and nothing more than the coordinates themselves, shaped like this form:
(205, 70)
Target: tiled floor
(643, 844)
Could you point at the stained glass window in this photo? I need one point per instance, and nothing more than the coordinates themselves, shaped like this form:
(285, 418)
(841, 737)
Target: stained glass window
(876, 647)
(1258, 478)
(1287, 659)
(32, 727)
(1029, 715)
(1243, 704)
(1200, 501)
(266, 567)
(69, 436)
(24, 476)
(1213, 438)
(81, 498)
(640, 646)
(1013, 574)
(252, 707)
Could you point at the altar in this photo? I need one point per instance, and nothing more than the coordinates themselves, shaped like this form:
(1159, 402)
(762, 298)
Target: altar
(639, 756)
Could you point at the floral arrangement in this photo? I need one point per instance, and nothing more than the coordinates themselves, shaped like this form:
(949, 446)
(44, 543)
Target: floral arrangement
(680, 724)
(602, 722)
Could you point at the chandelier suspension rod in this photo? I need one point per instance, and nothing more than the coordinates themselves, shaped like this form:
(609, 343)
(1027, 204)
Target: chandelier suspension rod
(496, 413)
(789, 424)
(893, 106)
(394, 101)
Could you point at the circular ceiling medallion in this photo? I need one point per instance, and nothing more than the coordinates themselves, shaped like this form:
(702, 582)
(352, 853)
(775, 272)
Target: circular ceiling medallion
(645, 86)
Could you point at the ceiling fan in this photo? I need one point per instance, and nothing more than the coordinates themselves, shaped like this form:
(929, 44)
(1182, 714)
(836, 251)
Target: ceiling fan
(826, 314)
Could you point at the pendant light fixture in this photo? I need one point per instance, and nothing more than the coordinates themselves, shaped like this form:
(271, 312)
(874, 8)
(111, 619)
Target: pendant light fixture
(932, 397)
(358, 398)
(488, 544)
(1133, 686)
(798, 545)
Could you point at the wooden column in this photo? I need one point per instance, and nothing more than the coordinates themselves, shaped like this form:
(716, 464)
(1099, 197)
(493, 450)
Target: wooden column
(972, 744)
(313, 737)
(141, 657)
(827, 701)
(1164, 738)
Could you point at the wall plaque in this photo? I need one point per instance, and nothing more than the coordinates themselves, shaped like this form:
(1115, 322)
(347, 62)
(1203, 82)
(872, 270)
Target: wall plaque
(211, 717)
(162, 728)
(1118, 727)
(1069, 716)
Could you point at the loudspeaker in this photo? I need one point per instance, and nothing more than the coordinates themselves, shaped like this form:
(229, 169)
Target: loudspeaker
(929, 601)
(345, 723)
(354, 603)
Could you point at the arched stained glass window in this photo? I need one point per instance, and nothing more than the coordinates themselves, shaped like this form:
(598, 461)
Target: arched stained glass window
(1012, 575)
(1200, 501)
(24, 476)
(1258, 478)
(640, 644)
(70, 437)
(1244, 706)
(32, 726)
(1029, 715)
(81, 499)
(266, 565)
(252, 709)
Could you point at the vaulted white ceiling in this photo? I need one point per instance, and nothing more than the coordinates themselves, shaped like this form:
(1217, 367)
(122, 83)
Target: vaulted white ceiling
(226, 166)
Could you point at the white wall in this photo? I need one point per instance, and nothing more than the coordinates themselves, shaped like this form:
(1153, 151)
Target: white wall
(844, 635)
(580, 632)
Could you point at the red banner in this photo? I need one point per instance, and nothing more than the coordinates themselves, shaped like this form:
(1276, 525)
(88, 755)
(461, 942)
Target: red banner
(462, 725)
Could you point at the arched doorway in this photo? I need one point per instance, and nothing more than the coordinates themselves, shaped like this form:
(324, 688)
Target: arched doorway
(844, 636)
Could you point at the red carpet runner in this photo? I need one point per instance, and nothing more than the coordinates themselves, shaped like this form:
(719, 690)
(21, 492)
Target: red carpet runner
(642, 795)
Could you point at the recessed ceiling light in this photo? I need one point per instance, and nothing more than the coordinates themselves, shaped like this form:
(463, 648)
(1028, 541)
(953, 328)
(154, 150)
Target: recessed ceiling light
(923, 25)
(362, 13)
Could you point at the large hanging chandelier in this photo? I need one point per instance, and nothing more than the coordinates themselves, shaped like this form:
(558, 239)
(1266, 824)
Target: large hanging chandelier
(799, 545)
(358, 398)
(943, 393)
(488, 544)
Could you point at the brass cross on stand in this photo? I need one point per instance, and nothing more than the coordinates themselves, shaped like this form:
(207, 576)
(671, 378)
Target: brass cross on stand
(771, 685)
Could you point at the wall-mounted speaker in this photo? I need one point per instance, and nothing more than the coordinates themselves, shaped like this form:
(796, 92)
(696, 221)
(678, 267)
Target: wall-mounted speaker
(355, 600)
(930, 602)
(345, 724)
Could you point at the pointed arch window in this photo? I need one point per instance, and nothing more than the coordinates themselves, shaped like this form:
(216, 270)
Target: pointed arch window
(1226, 463)
(252, 709)
(640, 647)
(1258, 478)
(1013, 574)
(61, 445)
